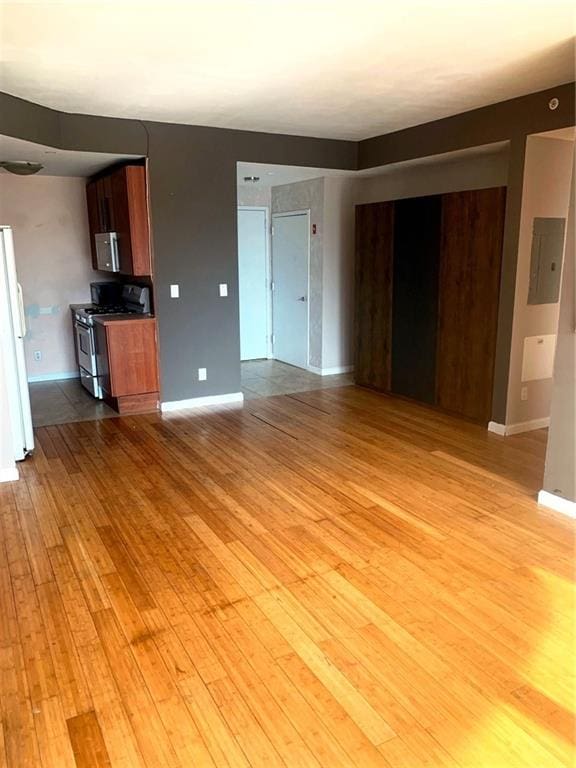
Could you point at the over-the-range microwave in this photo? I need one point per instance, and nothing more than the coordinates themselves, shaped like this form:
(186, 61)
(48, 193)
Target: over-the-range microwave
(107, 252)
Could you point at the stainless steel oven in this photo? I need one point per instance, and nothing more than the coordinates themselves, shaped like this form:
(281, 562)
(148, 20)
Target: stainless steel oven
(85, 344)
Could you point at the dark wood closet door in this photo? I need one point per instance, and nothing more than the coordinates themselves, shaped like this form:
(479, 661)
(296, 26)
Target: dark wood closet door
(415, 297)
(373, 288)
(472, 232)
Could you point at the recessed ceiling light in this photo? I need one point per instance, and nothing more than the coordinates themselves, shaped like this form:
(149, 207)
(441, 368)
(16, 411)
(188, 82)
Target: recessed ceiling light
(251, 179)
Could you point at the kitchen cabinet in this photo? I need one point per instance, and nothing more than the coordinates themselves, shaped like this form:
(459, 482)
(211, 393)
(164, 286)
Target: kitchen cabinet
(117, 202)
(427, 293)
(127, 362)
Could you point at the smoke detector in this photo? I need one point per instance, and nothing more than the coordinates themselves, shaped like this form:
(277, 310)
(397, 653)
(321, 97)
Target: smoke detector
(21, 167)
(251, 179)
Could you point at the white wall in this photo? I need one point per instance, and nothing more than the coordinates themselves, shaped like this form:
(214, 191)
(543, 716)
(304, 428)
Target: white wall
(49, 218)
(560, 472)
(256, 195)
(546, 193)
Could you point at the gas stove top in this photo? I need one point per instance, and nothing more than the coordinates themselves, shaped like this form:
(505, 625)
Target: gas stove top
(109, 309)
(85, 314)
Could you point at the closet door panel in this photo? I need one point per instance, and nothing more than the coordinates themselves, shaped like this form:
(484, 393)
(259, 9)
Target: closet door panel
(373, 292)
(415, 297)
(472, 233)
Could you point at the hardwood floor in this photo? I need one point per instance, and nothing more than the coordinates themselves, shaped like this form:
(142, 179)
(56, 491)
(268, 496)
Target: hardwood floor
(331, 578)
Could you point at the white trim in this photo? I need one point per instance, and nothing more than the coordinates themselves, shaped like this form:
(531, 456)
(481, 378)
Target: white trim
(516, 429)
(557, 503)
(528, 426)
(54, 376)
(330, 371)
(9, 474)
(199, 402)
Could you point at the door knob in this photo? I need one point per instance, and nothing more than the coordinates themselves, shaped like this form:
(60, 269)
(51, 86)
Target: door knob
(302, 298)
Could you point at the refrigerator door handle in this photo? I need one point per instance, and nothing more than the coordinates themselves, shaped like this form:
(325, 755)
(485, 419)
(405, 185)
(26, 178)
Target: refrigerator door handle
(22, 316)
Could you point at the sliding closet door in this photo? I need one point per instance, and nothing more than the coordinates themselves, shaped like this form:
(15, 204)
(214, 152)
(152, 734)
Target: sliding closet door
(415, 302)
(472, 232)
(373, 286)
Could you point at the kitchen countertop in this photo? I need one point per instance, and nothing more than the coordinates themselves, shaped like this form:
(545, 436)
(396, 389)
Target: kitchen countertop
(121, 318)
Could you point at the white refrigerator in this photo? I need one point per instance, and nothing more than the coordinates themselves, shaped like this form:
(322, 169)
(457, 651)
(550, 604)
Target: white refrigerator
(12, 332)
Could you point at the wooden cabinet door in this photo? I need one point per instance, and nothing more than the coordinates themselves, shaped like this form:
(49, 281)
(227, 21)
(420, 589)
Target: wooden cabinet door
(130, 209)
(105, 195)
(415, 297)
(471, 253)
(132, 358)
(373, 291)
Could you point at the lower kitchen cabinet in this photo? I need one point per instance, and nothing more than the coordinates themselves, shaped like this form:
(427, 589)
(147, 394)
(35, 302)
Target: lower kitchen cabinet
(127, 362)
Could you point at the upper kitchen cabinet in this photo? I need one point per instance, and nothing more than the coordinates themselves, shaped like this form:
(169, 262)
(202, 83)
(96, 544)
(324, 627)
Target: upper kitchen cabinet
(117, 204)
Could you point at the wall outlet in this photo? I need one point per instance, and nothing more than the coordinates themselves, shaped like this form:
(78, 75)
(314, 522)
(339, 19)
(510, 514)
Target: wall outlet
(223, 289)
(202, 374)
(175, 291)
(38, 355)
(524, 393)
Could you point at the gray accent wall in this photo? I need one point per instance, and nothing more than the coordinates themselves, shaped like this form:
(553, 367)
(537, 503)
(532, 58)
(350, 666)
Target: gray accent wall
(193, 208)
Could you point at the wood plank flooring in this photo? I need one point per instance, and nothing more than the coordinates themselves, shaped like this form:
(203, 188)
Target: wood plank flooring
(331, 578)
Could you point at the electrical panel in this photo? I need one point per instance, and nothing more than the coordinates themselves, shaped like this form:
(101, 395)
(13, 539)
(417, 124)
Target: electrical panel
(546, 260)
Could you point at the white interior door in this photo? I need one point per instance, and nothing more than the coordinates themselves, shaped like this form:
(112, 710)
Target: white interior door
(254, 281)
(290, 257)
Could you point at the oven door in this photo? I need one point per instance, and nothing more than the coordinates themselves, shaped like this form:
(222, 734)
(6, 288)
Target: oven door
(90, 383)
(85, 346)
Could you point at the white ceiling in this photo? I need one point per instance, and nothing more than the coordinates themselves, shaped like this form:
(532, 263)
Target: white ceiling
(331, 68)
(276, 175)
(56, 162)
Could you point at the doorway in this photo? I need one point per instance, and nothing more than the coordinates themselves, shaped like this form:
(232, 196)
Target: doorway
(290, 281)
(284, 346)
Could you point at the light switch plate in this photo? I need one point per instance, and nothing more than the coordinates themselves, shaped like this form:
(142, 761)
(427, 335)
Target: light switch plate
(202, 374)
(223, 288)
(175, 291)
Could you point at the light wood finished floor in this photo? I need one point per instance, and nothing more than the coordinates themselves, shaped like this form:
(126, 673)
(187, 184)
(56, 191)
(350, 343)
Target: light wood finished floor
(332, 578)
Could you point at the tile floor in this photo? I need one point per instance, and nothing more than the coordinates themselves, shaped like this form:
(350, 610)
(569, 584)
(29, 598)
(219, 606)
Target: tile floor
(261, 378)
(60, 402)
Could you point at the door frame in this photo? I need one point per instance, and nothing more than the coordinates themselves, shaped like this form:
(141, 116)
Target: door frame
(285, 214)
(269, 329)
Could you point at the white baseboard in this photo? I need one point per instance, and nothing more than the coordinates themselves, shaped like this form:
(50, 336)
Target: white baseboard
(54, 376)
(516, 429)
(9, 474)
(330, 371)
(200, 402)
(557, 503)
